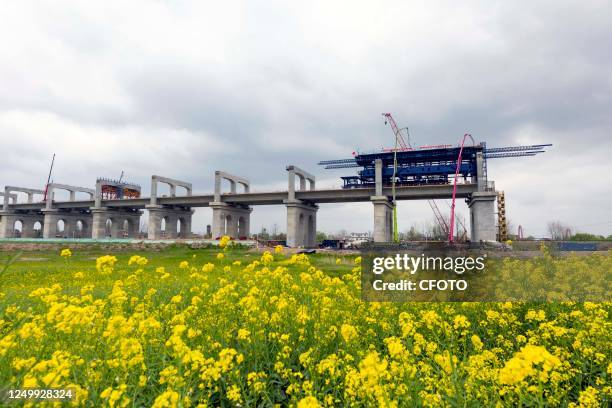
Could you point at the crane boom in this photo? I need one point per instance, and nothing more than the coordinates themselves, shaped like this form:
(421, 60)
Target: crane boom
(441, 221)
(49, 178)
(389, 119)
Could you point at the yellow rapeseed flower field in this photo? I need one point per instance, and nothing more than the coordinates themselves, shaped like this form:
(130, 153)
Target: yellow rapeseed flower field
(230, 327)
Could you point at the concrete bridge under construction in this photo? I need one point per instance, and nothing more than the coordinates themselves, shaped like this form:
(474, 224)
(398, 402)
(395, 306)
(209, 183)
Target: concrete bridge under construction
(170, 216)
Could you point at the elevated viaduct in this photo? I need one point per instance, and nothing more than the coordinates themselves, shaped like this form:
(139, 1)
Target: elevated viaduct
(170, 216)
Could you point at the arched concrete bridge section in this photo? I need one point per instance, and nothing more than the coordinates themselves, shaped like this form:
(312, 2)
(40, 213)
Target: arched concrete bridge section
(173, 183)
(76, 222)
(233, 220)
(301, 215)
(11, 196)
(165, 220)
(12, 189)
(10, 217)
(71, 189)
(233, 180)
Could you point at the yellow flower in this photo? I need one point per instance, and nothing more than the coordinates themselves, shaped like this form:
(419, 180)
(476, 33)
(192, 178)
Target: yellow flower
(267, 258)
(243, 334)
(105, 264)
(184, 265)
(308, 402)
(224, 241)
(348, 332)
(167, 399)
(66, 253)
(527, 363)
(78, 275)
(476, 342)
(338, 261)
(278, 249)
(233, 394)
(220, 255)
(137, 260)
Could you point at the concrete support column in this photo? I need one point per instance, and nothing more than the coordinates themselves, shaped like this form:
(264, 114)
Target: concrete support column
(86, 229)
(171, 230)
(383, 219)
(98, 223)
(156, 215)
(378, 177)
(7, 224)
(231, 220)
(482, 216)
(185, 220)
(69, 227)
(27, 228)
(301, 224)
(480, 175)
(50, 223)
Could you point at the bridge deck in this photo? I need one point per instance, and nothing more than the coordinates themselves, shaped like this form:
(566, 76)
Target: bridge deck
(271, 198)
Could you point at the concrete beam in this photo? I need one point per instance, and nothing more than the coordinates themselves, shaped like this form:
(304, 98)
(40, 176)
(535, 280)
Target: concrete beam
(173, 183)
(348, 195)
(29, 191)
(233, 180)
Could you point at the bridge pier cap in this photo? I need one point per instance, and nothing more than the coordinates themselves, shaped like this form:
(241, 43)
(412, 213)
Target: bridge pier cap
(173, 183)
(233, 180)
(29, 191)
(303, 176)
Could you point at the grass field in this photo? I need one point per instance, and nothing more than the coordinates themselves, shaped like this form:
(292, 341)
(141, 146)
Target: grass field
(212, 327)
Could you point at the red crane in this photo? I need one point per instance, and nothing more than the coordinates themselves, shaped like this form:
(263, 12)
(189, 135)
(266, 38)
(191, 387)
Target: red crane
(396, 131)
(451, 230)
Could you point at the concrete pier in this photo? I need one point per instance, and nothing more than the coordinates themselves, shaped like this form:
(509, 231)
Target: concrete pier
(77, 224)
(301, 224)
(28, 220)
(301, 215)
(383, 219)
(482, 216)
(231, 220)
(168, 222)
(383, 208)
(114, 223)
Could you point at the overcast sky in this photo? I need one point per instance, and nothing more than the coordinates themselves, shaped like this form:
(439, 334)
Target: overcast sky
(184, 88)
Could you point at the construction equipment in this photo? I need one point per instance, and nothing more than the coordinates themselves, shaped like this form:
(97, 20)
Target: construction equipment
(399, 139)
(398, 133)
(49, 178)
(502, 227)
(452, 216)
(118, 189)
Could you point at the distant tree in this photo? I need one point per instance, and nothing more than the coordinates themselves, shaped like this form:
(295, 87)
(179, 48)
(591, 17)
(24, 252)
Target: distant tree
(279, 236)
(320, 236)
(263, 234)
(582, 236)
(413, 235)
(558, 231)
